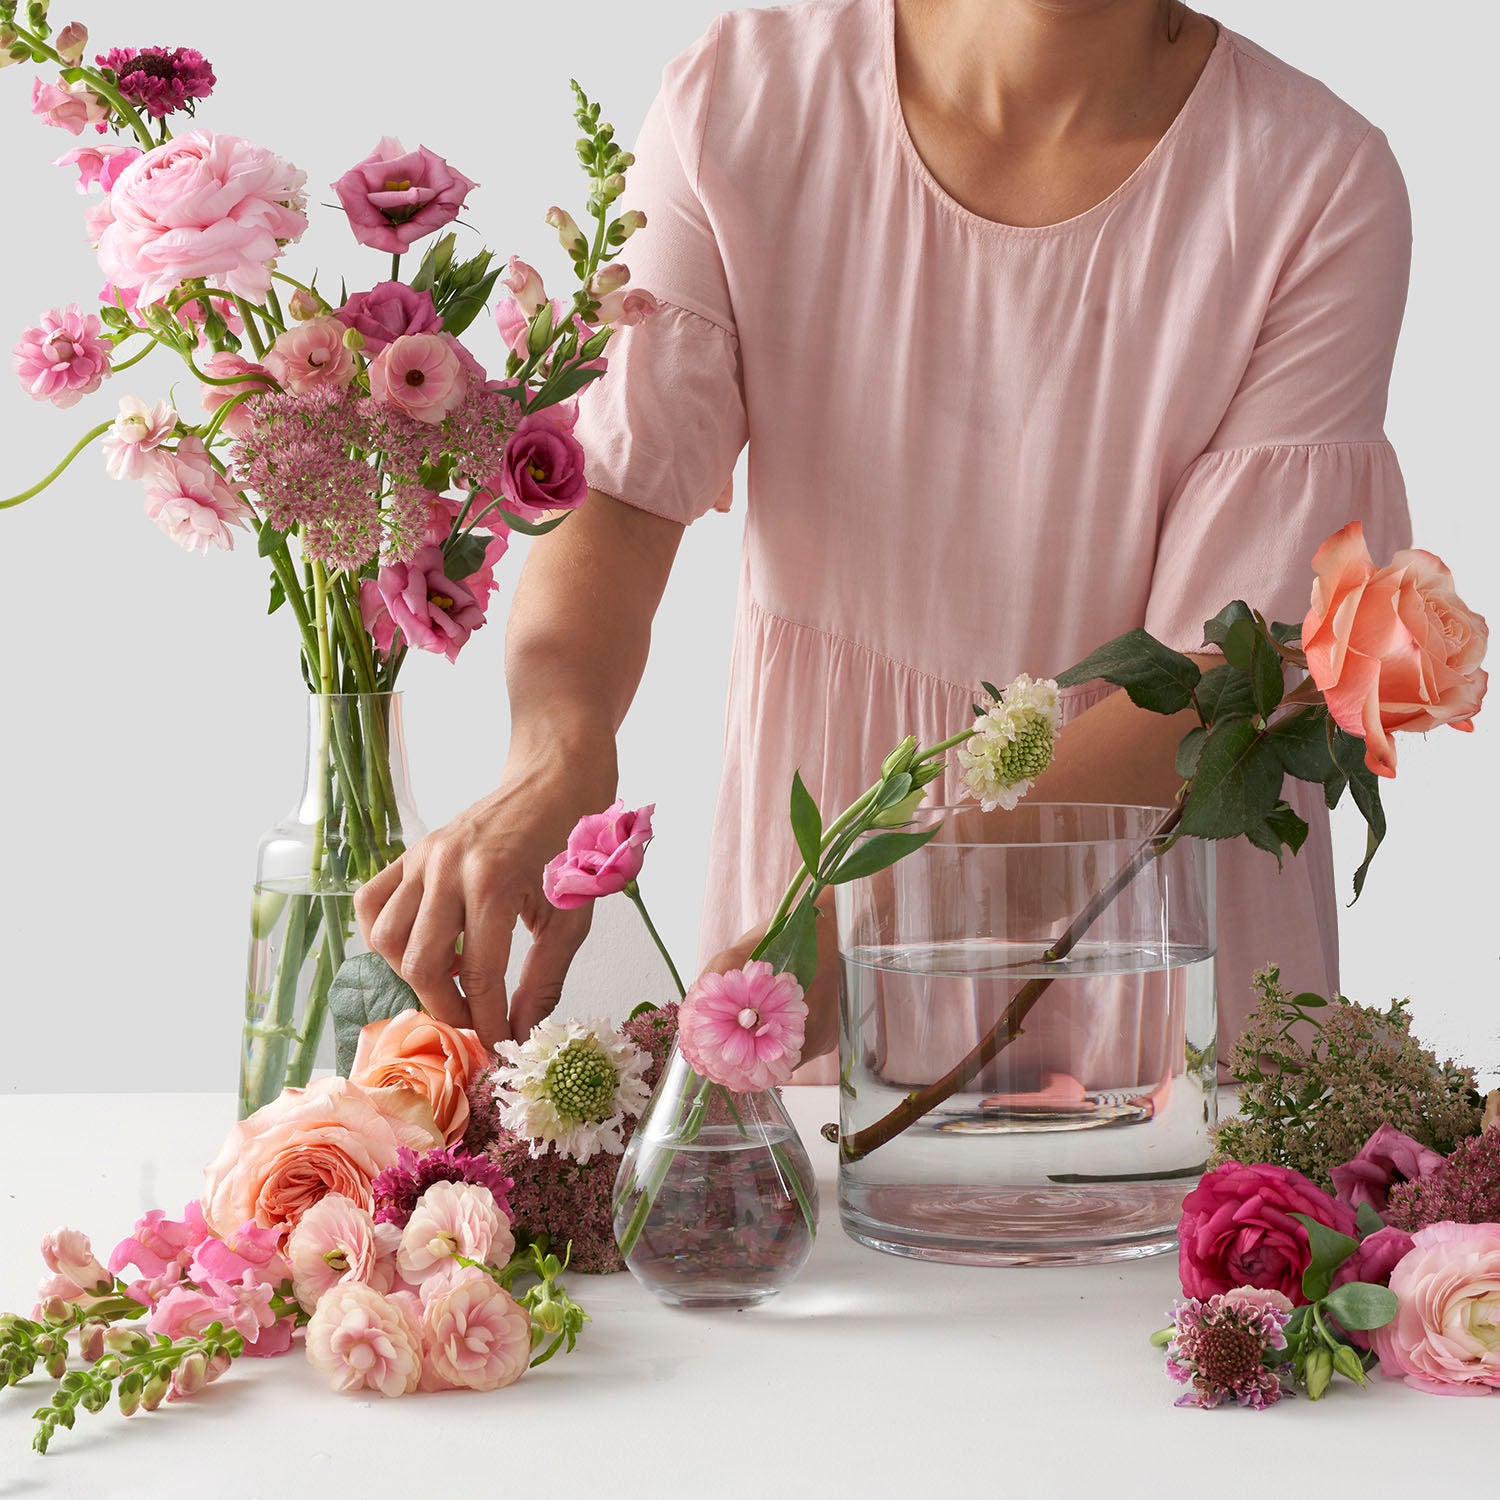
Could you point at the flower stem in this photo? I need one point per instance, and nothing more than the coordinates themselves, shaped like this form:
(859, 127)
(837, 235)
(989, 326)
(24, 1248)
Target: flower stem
(634, 892)
(395, 265)
(252, 332)
(73, 452)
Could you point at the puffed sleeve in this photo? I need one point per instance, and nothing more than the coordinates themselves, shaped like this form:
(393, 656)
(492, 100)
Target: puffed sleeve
(664, 426)
(1301, 449)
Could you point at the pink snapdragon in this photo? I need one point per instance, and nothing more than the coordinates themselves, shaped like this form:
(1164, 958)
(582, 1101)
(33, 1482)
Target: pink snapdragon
(386, 313)
(312, 354)
(524, 284)
(64, 358)
(76, 1270)
(541, 471)
(430, 610)
(69, 106)
(250, 1250)
(394, 197)
(137, 432)
(743, 1029)
(98, 166)
(605, 854)
(191, 501)
(367, 1341)
(159, 1244)
(421, 375)
(514, 322)
(475, 1337)
(626, 306)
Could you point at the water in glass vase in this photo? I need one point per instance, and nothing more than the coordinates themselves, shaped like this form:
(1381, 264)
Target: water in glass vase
(1076, 1143)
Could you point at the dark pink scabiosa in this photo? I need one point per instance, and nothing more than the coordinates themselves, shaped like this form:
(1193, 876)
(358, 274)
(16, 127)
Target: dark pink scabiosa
(162, 80)
(1220, 1348)
(398, 1189)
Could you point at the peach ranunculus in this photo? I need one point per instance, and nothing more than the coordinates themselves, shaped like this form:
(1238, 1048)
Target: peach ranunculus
(331, 1137)
(333, 1242)
(475, 1336)
(366, 1341)
(414, 1050)
(1391, 648)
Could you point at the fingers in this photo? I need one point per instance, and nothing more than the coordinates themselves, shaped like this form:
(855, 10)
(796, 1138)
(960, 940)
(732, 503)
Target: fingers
(554, 942)
(389, 931)
(737, 954)
(428, 962)
(371, 897)
(482, 965)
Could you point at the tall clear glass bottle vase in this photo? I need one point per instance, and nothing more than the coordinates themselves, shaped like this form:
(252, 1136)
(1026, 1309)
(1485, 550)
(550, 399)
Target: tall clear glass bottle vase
(355, 815)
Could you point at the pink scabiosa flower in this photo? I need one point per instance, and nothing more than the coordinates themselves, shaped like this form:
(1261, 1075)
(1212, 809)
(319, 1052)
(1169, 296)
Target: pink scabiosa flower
(138, 431)
(430, 610)
(233, 375)
(98, 166)
(387, 312)
(394, 197)
(161, 80)
(68, 106)
(541, 471)
(421, 375)
(64, 358)
(453, 1218)
(333, 1242)
(399, 1189)
(743, 1029)
(191, 501)
(1219, 1348)
(605, 854)
(311, 354)
(365, 1341)
(475, 1337)
(70, 1258)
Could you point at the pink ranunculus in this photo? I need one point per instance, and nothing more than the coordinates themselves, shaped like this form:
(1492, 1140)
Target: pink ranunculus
(542, 470)
(1445, 1337)
(388, 312)
(334, 1241)
(68, 106)
(453, 1218)
(524, 284)
(743, 1029)
(431, 611)
(366, 1341)
(605, 853)
(138, 431)
(1388, 1157)
(394, 197)
(64, 358)
(627, 306)
(1391, 648)
(1237, 1230)
(311, 355)
(421, 375)
(475, 1336)
(202, 205)
(243, 379)
(98, 166)
(331, 1137)
(69, 1256)
(191, 501)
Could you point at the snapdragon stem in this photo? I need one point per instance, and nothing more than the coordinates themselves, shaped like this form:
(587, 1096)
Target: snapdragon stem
(634, 892)
(72, 453)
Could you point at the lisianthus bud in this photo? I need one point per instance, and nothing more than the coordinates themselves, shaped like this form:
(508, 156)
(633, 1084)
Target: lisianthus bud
(610, 278)
(1012, 744)
(1349, 1364)
(899, 759)
(1319, 1372)
(569, 235)
(71, 42)
(354, 339)
(303, 305)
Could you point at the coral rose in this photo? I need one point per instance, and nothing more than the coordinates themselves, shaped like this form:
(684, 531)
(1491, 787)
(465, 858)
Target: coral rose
(1391, 648)
(417, 1051)
(1445, 1337)
(331, 1137)
(366, 1341)
(395, 196)
(1237, 1230)
(311, 354)
(475, 1336)
(605, 853)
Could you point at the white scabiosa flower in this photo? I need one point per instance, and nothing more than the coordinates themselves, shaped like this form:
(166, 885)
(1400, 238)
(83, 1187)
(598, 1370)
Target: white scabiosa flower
(571, 1085)
(1012, 744)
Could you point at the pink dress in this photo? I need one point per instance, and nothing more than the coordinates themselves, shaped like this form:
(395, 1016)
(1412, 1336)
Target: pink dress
(977, 449)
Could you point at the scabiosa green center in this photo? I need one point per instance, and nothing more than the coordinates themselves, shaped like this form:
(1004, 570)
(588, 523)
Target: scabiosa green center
(1030, 751)
(581, 1081)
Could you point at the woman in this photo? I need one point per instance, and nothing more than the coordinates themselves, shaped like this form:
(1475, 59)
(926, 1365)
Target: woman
(1043, 319)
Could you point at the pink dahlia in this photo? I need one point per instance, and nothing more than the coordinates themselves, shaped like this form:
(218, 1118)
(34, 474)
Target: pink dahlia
(63, 358)
(743, 1029)
(1219, 1348)
(192, 501)
(161, 80)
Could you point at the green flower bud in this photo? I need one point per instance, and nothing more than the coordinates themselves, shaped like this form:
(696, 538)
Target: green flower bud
(192, 1374)
(541, 329)
(549, 1317)
(1348, 1363)
(353, 339)
(1319, 1372)
(612, 186)
(95, 1398)
(57, 1363)
(900, 758)
(128, 1394)
(154, 1389)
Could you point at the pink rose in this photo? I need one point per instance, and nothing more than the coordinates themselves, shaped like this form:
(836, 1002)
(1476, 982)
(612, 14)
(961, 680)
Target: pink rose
(191, 501)
(421, 375)
(430, 610)
(524, 285)
(417, 1051)
(138, 431)
(365, 1341)
(202, 205)
(474, 1337)
(1391, 648)
(311, 354)
(1387, 1158)
(1237, 1230)
(627, 306)
(98, 166)
(234, 376)
(1445, 1337)
(542, 470)
(605, 853)
(743, 1029)
(387, 312)
(394, 197)
(331, 1137)
(68, 106)
(70, 1258)
(64, 358)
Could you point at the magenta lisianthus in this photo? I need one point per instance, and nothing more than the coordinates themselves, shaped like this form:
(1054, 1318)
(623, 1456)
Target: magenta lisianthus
(605, 853)
(1220, 1348)
(387, 312)
(394, 197)
(1388, 1158)
(162, 80)
(542, 469)
(421, 375)
(430, 610)
(191, 501)
(64, 357)
(745, 1028)
(68, 106)
(98, 166)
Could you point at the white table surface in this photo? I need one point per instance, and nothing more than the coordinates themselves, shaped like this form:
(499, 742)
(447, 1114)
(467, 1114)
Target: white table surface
(869, 1377)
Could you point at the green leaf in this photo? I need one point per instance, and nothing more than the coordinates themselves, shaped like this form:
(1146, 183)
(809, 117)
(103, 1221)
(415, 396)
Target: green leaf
(269, 540)
(1188, 751)
(1360, 1306)
(643, 1009)
(807, 823)
(1239, 643)
(461, 310)
(1308, 1000)
(465, 555)
(1364, 787)
(879, 852)
(366, 988)
(1236, 784)
(1267, 684)
(1157, 678)
(1368, 1220)
(1285, 633)
(1284, 822)
(278, 594)
(794, 947)
(1216, 629)
(1301, 744)
(1330, 1250)
(563, 384)
(437, 260)
(528, 528)
(1224, 693)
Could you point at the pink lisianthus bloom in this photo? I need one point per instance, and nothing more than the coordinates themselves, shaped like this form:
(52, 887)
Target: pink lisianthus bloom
(421, 375)
(524, 284)
(626, 306)
(743, 1029)
(394, 197)
(475, 1337)
(334, 1241)
(430, 610)
(311, 354)
(365, 1340)
(138, 431)
(68, 106)
(514, 322)
(244, 379)
(481, 582)
(388, 312)
(191, 501)
(541, 471)
(64, 358)
(70, 1258)
(202, 205)
(1389, 1157)
(98, 166)
(453, 1218)
(605, 853)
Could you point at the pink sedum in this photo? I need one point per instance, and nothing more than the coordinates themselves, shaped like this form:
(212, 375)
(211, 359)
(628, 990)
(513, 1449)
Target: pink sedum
(743, 1029)
(475, 1337)
(366, 1341)
(191, 501)
(64, 358)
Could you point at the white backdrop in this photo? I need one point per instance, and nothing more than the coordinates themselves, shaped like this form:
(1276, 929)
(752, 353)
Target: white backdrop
(151, 717)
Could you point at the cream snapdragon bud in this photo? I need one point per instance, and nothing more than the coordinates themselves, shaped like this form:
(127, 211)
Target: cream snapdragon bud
(192, 1374)
(612, 186)
(91, 1340)
(629, 221)
(155, 1389)
(128, 1393)
(569, 235)
(72, 41)
(610, 279)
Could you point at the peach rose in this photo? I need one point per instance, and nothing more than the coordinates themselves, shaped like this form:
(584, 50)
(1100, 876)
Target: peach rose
(331, 1137)
(416, 1051)
(1391, 648)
